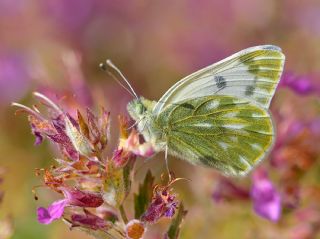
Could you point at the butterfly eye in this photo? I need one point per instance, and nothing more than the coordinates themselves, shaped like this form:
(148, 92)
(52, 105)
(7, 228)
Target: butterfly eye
(141, 108)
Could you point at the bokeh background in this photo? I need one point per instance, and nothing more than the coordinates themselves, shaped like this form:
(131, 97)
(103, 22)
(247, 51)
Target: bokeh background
(55, 46)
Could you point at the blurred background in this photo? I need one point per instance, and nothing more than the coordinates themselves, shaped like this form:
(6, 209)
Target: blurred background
(55, 47)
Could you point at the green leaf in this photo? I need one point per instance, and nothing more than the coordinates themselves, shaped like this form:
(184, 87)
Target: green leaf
(174, 229)
(127, 175)
(144, 196)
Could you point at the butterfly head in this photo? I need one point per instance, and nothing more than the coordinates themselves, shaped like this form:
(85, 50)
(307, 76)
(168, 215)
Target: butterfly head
(139, 108)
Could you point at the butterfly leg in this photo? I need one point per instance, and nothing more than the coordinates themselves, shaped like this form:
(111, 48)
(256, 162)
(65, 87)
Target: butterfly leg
(135, 124)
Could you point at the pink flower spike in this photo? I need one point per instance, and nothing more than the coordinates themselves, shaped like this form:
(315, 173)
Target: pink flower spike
(54, 212)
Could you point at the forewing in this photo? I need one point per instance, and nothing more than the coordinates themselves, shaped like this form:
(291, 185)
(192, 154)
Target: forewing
(224, 132)
(253, 73)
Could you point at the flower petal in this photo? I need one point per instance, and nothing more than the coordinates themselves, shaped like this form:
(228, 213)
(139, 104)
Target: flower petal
(54, 212)
(80, 198)
(88, 220)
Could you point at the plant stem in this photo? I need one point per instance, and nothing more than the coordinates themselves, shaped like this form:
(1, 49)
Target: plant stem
(123, 214)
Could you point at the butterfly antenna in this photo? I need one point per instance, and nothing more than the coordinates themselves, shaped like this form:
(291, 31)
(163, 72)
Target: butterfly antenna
(110, 64)
(120, 83)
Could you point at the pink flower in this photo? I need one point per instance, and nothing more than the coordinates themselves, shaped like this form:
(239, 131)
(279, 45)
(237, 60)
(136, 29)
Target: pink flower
(73, 197)
(54, 212)
(266, 199)
(129, 145)
(163, 204)
(88, 220)
(302, 85)
(140, 149)
(76, 197)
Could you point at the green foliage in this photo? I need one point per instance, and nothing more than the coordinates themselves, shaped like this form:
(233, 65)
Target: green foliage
(144, 196)
(127, 176)
(174, 229)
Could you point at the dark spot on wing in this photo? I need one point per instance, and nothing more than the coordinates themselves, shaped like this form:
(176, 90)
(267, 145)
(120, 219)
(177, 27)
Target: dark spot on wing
(220, 82)
(188, 106)
(249, 90)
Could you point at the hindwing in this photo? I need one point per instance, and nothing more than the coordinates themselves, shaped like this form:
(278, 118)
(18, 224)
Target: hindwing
(228, 133)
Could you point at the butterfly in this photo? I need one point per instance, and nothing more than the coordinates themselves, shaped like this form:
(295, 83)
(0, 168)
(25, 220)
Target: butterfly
(218, 116)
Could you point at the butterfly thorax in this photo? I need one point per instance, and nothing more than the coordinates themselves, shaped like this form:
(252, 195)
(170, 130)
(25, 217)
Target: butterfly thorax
(141, 111)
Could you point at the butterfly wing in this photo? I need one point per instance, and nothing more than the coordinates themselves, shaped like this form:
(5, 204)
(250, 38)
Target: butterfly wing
(225, 132)
(252, 73)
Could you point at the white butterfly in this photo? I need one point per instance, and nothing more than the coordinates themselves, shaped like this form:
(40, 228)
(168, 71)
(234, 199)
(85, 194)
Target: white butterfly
(217, 116)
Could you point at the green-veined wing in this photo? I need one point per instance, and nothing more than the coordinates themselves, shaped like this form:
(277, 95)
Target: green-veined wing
(225, 132)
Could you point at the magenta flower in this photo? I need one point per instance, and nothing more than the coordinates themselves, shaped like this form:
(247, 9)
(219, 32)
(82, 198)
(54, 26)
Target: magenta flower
(140, 149)
(266, 199)
(299, 84)
(129, 146)
(163, 204)
(37, 134)
(54, 212)
(132, 144)
(88, 220)
(94, 186)
(76, 197)
(73, 197)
